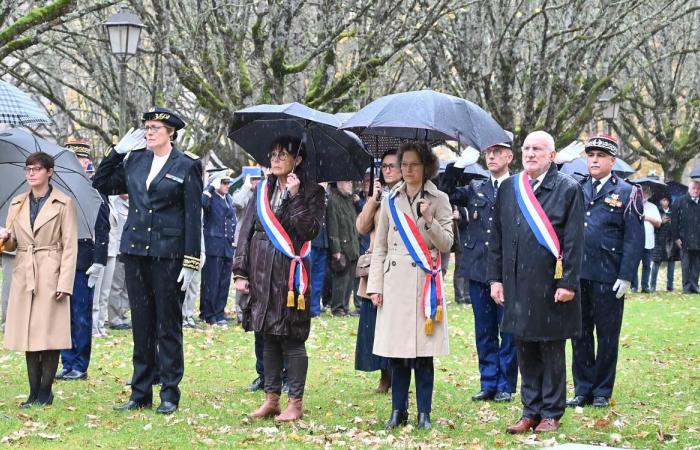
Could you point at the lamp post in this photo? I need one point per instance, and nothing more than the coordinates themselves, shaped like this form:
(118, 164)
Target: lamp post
(124, 29)
(610, 109)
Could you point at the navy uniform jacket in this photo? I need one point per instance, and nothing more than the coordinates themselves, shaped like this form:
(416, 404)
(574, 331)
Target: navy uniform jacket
(90, 252)
(614, 231)
(219, 221)
(479, 198)
(164, 221)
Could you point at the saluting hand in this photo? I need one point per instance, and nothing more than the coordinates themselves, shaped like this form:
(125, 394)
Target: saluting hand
(293, 184)
(424, 205)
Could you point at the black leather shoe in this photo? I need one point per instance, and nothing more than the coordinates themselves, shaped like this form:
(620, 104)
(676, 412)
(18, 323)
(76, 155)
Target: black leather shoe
(61, 374)
(483, 396)
(47, 402)
(424, 421)
(75, 375)
(502, 397)
(601, 402)
(166, 408)
(577, 401)
(397, 419)
(131, 405)
(256, 385)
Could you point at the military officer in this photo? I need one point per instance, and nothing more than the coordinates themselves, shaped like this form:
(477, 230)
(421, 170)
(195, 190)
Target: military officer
(92, 258)
(498, 364)
(219, 227)
(160, 247)
(614, 242)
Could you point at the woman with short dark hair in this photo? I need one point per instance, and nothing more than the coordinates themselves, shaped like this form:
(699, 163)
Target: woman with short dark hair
(42, 229)
(405, 281)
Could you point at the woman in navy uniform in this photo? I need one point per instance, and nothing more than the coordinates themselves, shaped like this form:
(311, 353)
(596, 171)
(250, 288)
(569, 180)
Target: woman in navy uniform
(160, 247)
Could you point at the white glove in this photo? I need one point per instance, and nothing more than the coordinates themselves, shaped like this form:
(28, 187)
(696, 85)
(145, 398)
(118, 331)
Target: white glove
(202, 260)
(94, 272)
(569, 153)
(132, 140)
(186, 276)
(468, 157)
(621, 287)
(217, 183)
(247, 182)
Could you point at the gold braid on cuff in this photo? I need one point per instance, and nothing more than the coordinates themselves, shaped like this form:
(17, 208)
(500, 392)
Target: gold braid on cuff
(191, 262)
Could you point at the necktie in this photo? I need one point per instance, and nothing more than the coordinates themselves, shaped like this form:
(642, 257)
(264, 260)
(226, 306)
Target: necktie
(596, 185)
(533, 183)
(495, 186)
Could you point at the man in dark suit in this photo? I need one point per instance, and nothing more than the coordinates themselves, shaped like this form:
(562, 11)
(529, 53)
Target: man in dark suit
(160, 247)
(686, 234)
(498, 365)
(614, 242)
(538, 289)
(219, 222)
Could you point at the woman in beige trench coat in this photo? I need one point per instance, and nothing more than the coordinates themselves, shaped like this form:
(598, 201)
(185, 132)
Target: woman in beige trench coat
(395, 284)
(42, 228)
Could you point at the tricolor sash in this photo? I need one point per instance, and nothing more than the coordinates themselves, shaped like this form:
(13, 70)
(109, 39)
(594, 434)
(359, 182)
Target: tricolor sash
(431, 301)
(298, 278)
(537, 219)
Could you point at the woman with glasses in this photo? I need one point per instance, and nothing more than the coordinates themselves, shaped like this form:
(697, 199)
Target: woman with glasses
(42, 229)
(160, 247)
(405, 281)
(366, 223)
(271, 264)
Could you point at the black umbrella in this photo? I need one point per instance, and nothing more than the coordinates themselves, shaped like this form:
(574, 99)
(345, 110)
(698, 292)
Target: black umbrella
(579, 166)
(69, 177)
(695, 173)
(332, 154)
(428, 116)
(657, 186)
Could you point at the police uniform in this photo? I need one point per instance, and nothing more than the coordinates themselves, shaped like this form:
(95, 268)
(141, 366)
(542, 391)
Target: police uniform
(498, 364)
(219, 230)
(76, 360)
(614, 241)
(161, 237)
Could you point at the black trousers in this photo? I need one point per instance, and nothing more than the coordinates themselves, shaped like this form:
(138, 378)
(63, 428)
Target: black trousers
(543, 378)
(342, 283)
(594, 372)
(156, 316)
(216, 280)
(401, 380)
(690, 267)
(277, 351)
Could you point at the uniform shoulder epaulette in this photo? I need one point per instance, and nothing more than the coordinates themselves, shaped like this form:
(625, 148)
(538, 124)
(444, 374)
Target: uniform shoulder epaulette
(191, 155)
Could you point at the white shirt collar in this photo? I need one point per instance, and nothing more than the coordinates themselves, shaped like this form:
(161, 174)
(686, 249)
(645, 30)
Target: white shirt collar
(501, 179)
(603, 180)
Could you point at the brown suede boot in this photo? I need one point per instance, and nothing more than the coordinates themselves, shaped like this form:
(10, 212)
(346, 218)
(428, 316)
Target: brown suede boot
(270, 407)
(384, 382)
(293, 411)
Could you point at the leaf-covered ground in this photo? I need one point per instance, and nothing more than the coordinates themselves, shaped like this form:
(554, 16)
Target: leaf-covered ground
(655, 405)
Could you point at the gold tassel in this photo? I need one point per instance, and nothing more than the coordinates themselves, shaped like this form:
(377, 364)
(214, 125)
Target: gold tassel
(301, 302)
(429, 326)
(558, 270)
(438, 314)
(290, 299)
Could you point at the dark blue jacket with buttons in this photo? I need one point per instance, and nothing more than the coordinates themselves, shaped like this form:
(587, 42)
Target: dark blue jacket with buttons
(165, 220)
(219, 222)
(614, 231)
(95, 252)
(479, 198)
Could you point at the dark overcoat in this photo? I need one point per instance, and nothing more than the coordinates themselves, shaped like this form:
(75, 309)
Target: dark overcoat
(340, 223)
(526, 268)
(686, 223)
(664, 247)
(267, 270)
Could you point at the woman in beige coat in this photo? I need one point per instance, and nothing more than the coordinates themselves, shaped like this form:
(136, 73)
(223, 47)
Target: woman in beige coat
(396, 282)
(42, 228)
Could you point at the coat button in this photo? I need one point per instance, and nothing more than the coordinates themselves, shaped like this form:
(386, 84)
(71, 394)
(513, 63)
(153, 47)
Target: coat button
(488, 231)
(413, 264)
(147, 247)
(490, 218)
(136, 210)
(613, 249)
(588, 213)
(487, 242)
(133, 228)
(592, 203)
(394, 228)
(132, 245)
(149, 228)
(585, 224)
(393, 263)
(150, 211)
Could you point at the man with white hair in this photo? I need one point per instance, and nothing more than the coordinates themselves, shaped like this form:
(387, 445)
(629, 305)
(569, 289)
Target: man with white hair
(686, 233)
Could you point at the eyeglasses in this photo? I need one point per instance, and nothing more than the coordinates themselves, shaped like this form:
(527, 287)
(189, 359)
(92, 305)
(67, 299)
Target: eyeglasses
(32, 169)
(410, 166)
(390, 166)
(281, 156)
(153, 128)
(225, 182)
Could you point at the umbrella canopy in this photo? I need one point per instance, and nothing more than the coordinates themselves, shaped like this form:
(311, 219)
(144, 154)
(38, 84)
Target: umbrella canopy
(428, 116)
(18, 108)
(331, 154)
(69, 177)
(695, 173)
(580, 166)
(658, 187)
(676, 189)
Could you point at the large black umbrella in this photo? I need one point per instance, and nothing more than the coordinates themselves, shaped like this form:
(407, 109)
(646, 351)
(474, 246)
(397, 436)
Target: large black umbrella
(695, 173)
(428, 116)
(579, 166)
(69, 177)
(658, 187)
(332, 154)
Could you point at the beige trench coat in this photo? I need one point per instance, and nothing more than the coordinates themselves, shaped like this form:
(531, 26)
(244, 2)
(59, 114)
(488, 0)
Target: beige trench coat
(45, 264)
(400, 327)
(366, 223)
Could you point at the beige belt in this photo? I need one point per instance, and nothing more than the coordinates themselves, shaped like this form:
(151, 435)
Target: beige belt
(32, 250)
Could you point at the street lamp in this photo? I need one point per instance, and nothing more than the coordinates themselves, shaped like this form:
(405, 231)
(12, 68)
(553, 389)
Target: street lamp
(610, 109)
(124, 30)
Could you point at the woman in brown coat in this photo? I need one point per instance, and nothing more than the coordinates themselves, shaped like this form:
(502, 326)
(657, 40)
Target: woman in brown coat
(281, 314)
(42, 228)
(406, 331)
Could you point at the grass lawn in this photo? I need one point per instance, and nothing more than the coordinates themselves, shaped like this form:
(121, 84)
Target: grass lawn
(655, 405)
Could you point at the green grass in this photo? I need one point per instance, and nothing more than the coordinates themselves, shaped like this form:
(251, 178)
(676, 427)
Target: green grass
(655, 402)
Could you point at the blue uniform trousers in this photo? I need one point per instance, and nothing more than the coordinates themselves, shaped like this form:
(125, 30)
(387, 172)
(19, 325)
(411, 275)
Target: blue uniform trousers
(401, 380)
(317, 276)
(216, 280)
(498, 361)
(78, 357)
